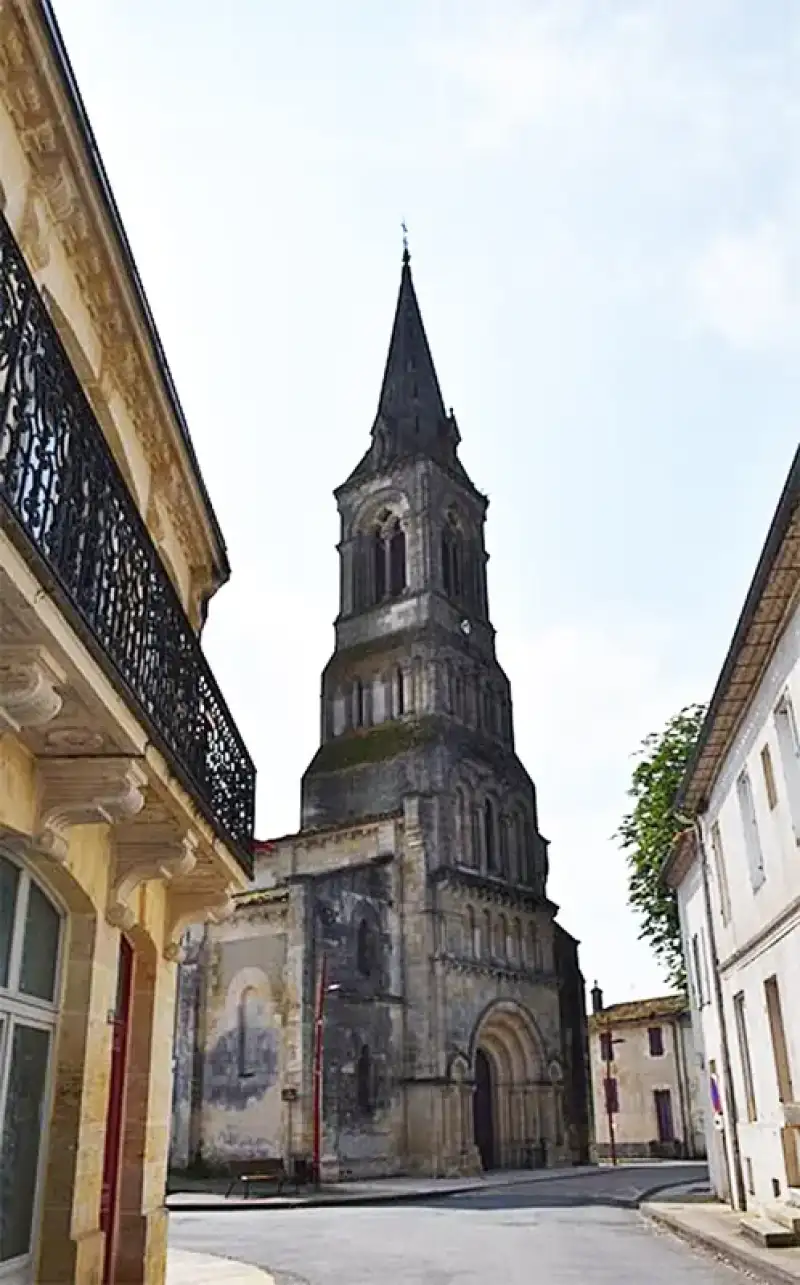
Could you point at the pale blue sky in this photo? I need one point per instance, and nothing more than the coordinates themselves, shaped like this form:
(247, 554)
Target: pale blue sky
(603, 204)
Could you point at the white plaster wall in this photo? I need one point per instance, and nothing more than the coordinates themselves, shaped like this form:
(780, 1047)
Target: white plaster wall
(638, 1075)
(760, 1140)
(707, 1040)
(751, 912)
(762, 935)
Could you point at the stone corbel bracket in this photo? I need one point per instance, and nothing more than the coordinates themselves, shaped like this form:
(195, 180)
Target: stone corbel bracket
(84, 791)
(138, 863)
(193, 908)
(29, 683)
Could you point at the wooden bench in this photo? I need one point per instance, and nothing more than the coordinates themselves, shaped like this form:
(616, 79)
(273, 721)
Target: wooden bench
(247, 1172)
(269, 1169)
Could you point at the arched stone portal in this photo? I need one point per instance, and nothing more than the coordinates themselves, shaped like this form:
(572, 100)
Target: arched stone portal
(517, 1109)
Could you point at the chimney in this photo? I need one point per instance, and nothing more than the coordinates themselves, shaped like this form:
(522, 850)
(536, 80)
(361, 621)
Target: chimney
(597, 999)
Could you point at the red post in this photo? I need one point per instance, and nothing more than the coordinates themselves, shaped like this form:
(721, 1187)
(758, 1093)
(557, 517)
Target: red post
(319, 1015)
(611, 1104)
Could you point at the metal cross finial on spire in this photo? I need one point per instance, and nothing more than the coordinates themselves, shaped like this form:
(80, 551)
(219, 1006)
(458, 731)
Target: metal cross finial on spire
(406, 255)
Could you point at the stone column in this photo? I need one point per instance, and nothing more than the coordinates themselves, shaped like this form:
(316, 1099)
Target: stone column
(71, 1242)
(142, 1235)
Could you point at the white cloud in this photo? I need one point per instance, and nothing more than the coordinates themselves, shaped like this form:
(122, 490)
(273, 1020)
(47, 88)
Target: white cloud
(575, 65)
(585, 696)
(745, 287)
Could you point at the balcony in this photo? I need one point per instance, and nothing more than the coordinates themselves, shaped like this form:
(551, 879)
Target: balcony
(67, 509)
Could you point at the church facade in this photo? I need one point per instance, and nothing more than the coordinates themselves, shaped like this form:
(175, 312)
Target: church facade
(410, 910)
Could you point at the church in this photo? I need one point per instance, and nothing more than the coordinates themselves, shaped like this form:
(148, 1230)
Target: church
(401, 945)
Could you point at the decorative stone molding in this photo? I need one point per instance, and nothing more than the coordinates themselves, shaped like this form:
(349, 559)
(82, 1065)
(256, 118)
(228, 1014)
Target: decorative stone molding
(29, 234)
(84, 791)
(58, 179)
(139, 862)
(29, 682)
(193, 908)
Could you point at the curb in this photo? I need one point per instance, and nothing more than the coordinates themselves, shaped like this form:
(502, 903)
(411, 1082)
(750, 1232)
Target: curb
(411, 1197)
(332, 1201)
(735, 1255)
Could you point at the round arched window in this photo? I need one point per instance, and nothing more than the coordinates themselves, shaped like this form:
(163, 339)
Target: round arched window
(30, 941)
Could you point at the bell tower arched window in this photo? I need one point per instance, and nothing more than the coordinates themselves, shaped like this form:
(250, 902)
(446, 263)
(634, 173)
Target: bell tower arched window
(388, 568)
(397, 560)
(379, 565)
(359, 704)
(489, 842)
(400, 691)
(456, 571)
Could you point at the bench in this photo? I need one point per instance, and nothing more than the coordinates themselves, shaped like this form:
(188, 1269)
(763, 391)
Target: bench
(269, 1169)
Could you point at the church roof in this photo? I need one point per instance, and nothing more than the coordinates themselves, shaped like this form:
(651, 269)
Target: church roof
(410, 384)
(411, 419)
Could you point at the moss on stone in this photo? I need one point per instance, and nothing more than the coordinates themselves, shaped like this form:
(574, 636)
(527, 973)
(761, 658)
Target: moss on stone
(385, 647)
(372, 745)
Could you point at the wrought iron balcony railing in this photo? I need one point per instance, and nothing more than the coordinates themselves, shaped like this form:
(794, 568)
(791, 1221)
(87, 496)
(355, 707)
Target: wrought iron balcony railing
(63, 495)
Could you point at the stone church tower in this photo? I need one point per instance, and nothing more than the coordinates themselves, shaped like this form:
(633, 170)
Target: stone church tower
(415, 889)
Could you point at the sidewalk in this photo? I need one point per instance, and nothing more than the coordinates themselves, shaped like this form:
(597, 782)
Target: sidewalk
(396, 1190)
(185, 1268)
(716, 1228)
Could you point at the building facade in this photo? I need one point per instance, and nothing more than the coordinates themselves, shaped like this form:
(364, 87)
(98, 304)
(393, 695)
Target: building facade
(126, 794)
(646, 1081)
(737, 877)
(416, 886)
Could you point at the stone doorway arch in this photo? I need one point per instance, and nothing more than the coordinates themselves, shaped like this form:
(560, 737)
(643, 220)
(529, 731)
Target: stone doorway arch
(516, 1106)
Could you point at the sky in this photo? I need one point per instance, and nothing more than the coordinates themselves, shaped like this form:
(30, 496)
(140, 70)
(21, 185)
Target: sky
(602, 199)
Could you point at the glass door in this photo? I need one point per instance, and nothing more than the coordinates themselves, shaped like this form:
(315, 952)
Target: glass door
(30, 932)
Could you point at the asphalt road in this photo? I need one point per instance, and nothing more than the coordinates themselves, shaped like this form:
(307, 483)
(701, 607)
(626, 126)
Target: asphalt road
(556, 1233)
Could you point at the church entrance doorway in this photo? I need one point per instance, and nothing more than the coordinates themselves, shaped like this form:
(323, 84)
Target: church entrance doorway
(518, 1118)
(483, 1109)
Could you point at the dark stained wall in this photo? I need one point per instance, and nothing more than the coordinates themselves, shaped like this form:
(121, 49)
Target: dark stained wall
(575, 1045)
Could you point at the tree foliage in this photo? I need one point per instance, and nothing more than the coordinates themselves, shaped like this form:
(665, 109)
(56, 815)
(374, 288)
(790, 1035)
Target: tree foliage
(648, 831)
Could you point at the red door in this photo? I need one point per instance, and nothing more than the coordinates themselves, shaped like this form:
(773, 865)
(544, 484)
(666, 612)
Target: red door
(115, 1116)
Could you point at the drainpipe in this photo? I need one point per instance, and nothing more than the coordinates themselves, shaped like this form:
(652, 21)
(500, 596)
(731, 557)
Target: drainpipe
(737, 1186)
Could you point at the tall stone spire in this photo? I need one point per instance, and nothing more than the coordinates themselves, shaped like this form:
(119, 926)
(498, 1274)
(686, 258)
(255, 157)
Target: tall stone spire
(411, 420)
(410, 393)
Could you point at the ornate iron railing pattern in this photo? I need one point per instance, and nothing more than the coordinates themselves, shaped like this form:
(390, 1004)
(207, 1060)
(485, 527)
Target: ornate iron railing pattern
(63, 489)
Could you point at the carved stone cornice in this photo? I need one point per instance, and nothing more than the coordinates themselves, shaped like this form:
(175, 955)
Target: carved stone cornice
(84, 791)
(29, 683)
(489, 889)
(58, 180)
(500, 970)
(193, 908)
(137, 862)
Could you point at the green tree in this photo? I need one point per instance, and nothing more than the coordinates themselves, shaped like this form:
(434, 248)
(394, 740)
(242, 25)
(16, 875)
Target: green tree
(647, 832)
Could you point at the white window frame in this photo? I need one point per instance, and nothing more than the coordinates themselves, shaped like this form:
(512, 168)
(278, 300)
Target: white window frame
(29, 1010)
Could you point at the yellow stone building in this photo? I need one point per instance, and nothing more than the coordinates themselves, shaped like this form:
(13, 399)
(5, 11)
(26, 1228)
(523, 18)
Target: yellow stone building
(126, 793)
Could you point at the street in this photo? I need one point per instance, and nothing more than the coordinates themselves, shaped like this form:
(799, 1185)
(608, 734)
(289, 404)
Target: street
(564, 1230)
